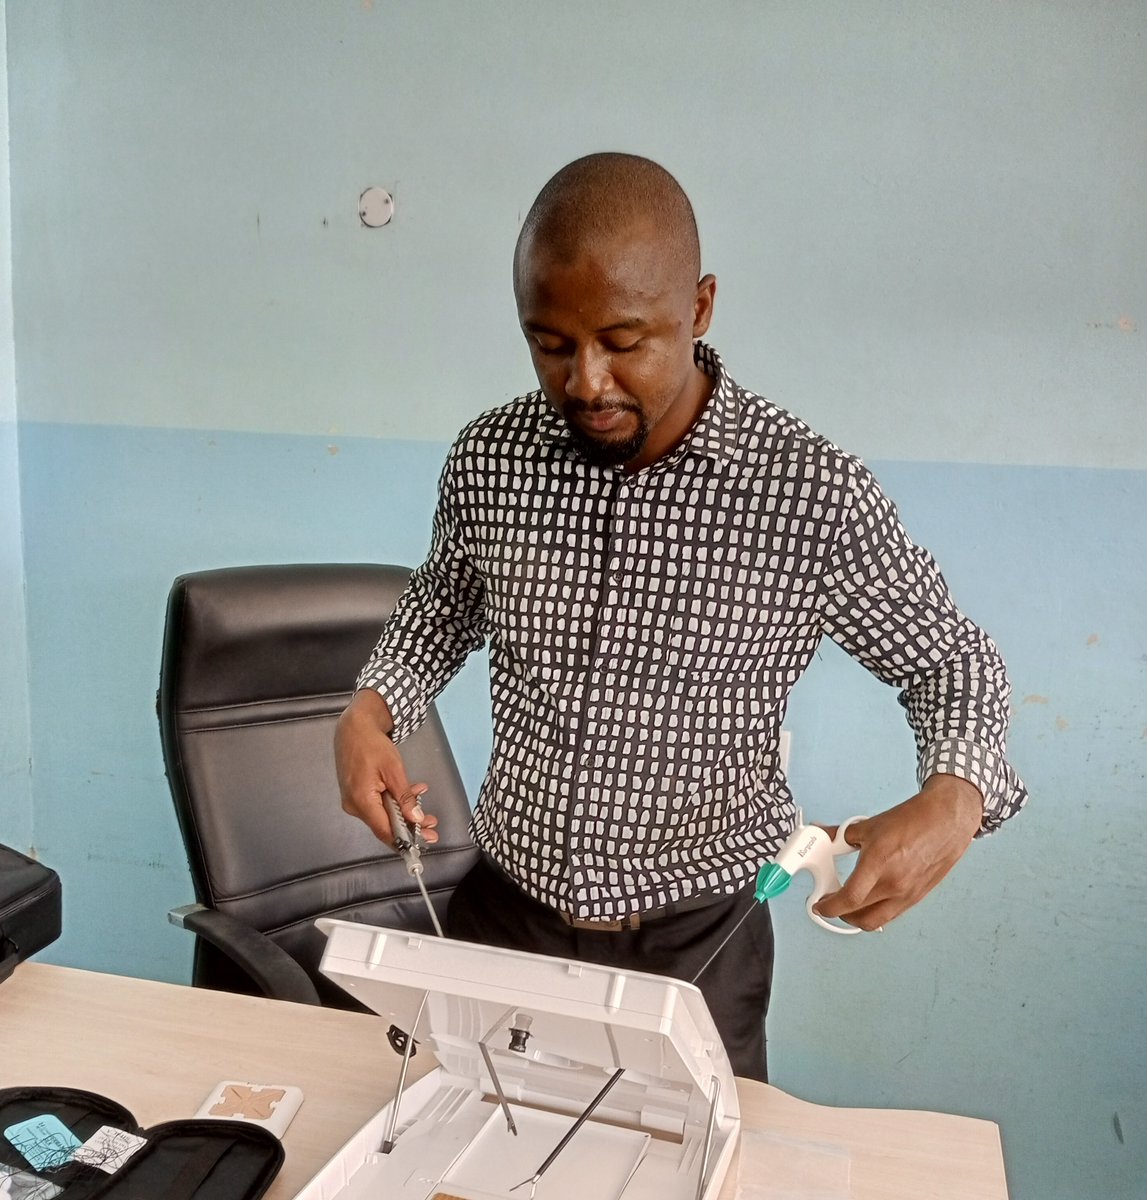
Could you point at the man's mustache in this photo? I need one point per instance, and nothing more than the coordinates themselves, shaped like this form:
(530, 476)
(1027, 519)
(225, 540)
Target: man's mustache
(580, 406)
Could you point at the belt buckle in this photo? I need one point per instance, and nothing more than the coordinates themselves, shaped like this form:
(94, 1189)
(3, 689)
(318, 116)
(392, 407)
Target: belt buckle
(590, 926)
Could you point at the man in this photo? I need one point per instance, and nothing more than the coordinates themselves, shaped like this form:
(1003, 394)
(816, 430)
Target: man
(654, 554)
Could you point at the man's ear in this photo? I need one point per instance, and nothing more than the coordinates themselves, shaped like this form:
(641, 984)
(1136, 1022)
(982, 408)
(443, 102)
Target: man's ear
(703, 304)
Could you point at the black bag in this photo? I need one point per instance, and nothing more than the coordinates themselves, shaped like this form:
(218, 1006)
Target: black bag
(198, 1159)
(29, 908)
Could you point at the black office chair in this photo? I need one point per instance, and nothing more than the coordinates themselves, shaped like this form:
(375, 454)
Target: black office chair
(257, 664)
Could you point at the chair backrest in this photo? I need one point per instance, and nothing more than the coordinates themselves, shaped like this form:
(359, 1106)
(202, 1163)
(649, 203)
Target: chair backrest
(258, 662)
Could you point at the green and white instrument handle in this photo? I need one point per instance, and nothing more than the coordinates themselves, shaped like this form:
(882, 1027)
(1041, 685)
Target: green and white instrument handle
(808, 848)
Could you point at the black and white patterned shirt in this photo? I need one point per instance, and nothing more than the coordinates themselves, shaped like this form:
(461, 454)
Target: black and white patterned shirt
(645, 630)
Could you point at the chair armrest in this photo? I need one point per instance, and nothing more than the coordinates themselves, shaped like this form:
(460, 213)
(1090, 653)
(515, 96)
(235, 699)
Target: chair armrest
(277, 974)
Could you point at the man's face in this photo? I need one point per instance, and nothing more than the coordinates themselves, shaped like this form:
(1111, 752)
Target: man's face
(611, 336)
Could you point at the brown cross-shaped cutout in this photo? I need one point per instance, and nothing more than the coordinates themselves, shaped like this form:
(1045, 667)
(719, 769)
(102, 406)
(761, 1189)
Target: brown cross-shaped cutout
(256, 1104)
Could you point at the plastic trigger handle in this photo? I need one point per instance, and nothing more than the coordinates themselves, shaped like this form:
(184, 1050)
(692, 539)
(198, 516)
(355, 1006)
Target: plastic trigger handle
(809, 848)
(828, 877)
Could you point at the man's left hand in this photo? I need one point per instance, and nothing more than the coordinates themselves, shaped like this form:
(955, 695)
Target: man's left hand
(905, 852)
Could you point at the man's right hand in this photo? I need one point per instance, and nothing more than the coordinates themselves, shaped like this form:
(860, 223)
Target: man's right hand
(368, 765)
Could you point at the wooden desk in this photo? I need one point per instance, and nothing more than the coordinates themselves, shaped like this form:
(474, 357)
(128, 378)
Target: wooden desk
(158, 1048)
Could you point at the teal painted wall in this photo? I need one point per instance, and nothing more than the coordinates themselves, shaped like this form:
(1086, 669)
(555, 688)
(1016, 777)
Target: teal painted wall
(15, 718)
(926, 222)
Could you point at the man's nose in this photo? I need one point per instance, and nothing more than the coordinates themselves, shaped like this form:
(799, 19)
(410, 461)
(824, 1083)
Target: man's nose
(588, 376)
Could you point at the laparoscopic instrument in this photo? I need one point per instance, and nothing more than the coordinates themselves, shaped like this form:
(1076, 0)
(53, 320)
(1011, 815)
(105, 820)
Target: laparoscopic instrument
(808, 848)
(408, 842)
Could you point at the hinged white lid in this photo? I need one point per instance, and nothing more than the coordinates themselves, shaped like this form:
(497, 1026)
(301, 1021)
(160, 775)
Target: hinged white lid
(582, 1022)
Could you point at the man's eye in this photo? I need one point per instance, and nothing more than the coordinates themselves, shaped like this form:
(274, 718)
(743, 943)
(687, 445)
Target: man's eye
(623, 347)
(547, 345)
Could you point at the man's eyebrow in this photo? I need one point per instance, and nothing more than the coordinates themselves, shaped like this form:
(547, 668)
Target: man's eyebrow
(624, 325)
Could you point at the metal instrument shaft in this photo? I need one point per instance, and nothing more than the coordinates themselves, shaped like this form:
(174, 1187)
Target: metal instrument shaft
(724, 942)
(533, 1180)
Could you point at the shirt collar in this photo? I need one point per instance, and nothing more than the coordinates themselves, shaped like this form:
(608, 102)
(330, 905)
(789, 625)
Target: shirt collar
(713, 436)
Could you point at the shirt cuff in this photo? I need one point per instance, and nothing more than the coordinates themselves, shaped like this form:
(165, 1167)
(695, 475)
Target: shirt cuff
(399, 688)
(979, 765)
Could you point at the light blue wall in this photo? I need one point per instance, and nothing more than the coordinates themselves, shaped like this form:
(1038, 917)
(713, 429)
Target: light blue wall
(926, 222)
(15, 727)
(1026, 966)
(907, 205)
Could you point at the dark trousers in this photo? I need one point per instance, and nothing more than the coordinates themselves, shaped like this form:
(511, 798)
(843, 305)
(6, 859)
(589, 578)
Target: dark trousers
(490, 908)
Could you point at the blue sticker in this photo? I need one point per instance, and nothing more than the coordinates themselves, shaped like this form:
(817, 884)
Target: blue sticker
(44, 1141)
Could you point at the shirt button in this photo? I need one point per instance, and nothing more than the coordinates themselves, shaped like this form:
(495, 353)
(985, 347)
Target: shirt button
(615, 577)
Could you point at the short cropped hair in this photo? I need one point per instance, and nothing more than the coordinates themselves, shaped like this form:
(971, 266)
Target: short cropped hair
(600, 195)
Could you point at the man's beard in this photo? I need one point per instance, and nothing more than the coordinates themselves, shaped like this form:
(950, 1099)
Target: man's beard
(614, 452)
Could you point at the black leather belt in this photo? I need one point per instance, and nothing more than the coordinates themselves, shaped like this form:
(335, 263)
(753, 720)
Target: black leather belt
(635, 920)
